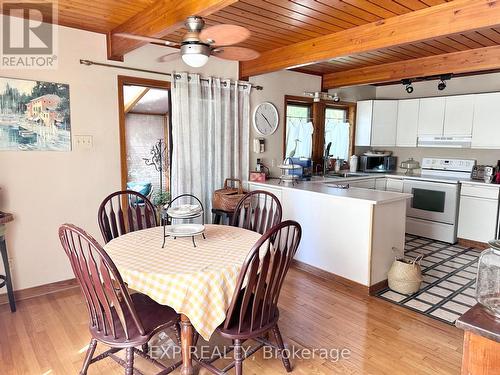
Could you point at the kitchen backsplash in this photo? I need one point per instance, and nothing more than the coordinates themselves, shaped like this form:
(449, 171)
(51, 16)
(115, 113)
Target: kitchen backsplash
(487, 157)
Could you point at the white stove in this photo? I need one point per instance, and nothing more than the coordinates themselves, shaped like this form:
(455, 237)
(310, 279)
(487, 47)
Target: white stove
(433, 210)
(450, 168)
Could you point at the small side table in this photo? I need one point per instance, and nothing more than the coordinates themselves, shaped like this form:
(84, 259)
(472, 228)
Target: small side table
(6, 280)
(481, 342)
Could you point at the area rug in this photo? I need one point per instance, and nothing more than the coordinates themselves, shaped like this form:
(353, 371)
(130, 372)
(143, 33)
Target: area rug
(449, 273)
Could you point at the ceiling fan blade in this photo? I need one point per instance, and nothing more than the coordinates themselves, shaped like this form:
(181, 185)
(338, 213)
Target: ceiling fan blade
(225, 34)
(235, 53)
(147, 39)
(168, 57)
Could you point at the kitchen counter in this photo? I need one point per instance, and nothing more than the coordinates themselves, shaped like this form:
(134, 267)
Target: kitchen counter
(353, 233)
(325, 186)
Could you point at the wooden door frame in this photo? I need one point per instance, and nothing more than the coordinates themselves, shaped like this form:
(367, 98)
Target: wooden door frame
(128, 80)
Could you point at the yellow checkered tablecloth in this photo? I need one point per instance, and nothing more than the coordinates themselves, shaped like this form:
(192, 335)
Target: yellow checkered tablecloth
(197, 282)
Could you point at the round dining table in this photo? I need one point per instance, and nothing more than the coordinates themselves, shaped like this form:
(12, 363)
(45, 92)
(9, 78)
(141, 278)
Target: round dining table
(197, 282)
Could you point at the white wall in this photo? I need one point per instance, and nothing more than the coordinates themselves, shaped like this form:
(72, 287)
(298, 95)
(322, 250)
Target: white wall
(276, 86)
(459, 85)
(46, 189)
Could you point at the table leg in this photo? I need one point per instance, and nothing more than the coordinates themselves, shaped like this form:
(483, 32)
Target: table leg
(186, 345)
(8, 276)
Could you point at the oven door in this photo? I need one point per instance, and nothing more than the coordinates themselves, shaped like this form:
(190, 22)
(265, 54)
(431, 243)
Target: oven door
(432, 201)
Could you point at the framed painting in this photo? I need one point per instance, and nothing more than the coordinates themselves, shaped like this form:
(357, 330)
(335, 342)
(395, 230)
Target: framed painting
(34, 116)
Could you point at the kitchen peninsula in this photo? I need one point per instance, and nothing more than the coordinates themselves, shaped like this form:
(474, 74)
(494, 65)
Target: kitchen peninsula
(346, 232)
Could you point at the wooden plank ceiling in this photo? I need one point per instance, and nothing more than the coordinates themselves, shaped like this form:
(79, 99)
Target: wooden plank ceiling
(280, 23)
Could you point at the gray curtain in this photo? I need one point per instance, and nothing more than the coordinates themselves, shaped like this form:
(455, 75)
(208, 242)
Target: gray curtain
(210, 134)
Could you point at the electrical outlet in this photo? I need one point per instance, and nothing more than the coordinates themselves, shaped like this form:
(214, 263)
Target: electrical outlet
(273, 163)
(11, 264)
(83, 142)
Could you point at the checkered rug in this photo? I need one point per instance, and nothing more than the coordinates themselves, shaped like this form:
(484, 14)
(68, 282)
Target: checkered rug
(449, 273)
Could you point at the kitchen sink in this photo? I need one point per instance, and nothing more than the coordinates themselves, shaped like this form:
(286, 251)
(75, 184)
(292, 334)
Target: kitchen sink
(346, 175)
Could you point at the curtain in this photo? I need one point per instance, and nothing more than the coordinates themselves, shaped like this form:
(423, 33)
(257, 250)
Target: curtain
(337, 132)
(210, 134)
(299, 137)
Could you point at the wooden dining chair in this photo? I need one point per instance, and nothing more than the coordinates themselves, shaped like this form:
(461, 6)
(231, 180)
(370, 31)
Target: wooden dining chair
(253, 311)
(117, 319)
(125, 211)
(257, 211)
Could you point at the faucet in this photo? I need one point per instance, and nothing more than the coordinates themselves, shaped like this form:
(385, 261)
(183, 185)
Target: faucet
(326, 157)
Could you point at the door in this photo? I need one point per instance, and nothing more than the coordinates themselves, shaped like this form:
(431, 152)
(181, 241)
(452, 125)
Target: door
(458, 115)
(431, 116)
(384, 119)
(478, 218)
(486, 123)
(363, 122)
(407, 123)
(144, 108)
(432, 201)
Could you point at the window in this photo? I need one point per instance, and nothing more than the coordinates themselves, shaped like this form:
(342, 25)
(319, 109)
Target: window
(299, 130)
(337, 131)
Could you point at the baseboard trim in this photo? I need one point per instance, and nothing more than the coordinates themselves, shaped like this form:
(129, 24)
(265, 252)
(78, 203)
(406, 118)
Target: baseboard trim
(318, 272)
(475, 244)
(378, 287)
(40, 290)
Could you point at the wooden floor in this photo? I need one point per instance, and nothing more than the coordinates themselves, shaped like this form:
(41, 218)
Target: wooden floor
(48, 335)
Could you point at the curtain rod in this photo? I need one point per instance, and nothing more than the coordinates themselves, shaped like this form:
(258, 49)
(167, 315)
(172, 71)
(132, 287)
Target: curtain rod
(90, 62)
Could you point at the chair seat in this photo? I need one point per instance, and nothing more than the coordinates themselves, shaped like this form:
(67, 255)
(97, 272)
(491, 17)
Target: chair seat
(154, 318)
(231, 332)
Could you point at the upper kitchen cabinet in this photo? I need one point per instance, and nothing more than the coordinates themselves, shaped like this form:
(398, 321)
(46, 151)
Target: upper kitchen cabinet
(384, 120)
(364, 110)
(458, 115)
(407, 123)
(431, 116)
(486, 122)
(376, 123)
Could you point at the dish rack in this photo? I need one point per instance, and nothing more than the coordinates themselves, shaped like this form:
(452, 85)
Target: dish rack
(183, 212)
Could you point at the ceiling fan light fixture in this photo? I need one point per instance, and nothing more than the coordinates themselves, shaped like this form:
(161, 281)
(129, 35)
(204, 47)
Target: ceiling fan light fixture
(195, 55)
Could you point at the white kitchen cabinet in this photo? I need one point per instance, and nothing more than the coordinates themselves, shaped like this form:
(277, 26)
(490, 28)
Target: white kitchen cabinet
(380, 183)
(394, 184)
(486, 123)
(407, 123)
(458, 115)
(431, 116)
(477, 219)
(365, 184)
(384, 122)
(364, 110)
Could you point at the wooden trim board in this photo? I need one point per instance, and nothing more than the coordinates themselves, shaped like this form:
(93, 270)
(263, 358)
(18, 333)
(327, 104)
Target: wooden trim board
(479, 246)
(40, 290)
(297, 264)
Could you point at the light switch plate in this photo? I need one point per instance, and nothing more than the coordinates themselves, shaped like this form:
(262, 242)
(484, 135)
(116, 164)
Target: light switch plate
(83, 142)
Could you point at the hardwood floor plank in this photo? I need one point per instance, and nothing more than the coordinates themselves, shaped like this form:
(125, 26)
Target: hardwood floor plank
(49, 335)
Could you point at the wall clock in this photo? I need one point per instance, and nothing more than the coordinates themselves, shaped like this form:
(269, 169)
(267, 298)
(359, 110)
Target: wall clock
(265, 118)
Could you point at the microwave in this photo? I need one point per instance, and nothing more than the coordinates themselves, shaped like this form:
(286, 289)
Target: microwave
(378, 163)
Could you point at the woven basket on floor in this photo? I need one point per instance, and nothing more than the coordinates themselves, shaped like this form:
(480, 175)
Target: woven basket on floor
(405, 276)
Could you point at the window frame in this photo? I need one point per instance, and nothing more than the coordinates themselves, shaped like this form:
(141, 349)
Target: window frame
(318, 116)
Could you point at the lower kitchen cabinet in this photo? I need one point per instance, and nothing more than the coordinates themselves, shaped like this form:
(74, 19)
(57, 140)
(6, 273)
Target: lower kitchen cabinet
(394, 184)
(380, 183)
(478, 214)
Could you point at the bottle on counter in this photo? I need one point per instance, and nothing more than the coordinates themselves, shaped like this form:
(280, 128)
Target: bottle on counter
(353, 163)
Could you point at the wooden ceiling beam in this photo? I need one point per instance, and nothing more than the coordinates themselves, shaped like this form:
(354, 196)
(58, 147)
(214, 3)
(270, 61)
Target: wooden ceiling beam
(474, 60)
(449, 18)
(159, 19)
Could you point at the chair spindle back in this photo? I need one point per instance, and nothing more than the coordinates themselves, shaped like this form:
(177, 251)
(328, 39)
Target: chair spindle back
(257, 211)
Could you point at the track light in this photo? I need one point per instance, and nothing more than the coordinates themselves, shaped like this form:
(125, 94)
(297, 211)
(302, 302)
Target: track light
(408, 85)
(442, 81)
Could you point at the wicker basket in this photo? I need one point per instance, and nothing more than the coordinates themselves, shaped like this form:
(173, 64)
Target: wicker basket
(227, 198)
(405, 276)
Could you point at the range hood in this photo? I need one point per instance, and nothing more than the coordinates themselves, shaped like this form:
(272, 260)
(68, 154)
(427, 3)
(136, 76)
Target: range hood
(461, 141)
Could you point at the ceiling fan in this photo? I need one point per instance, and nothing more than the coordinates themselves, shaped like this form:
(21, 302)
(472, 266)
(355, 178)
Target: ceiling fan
(199, 43)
